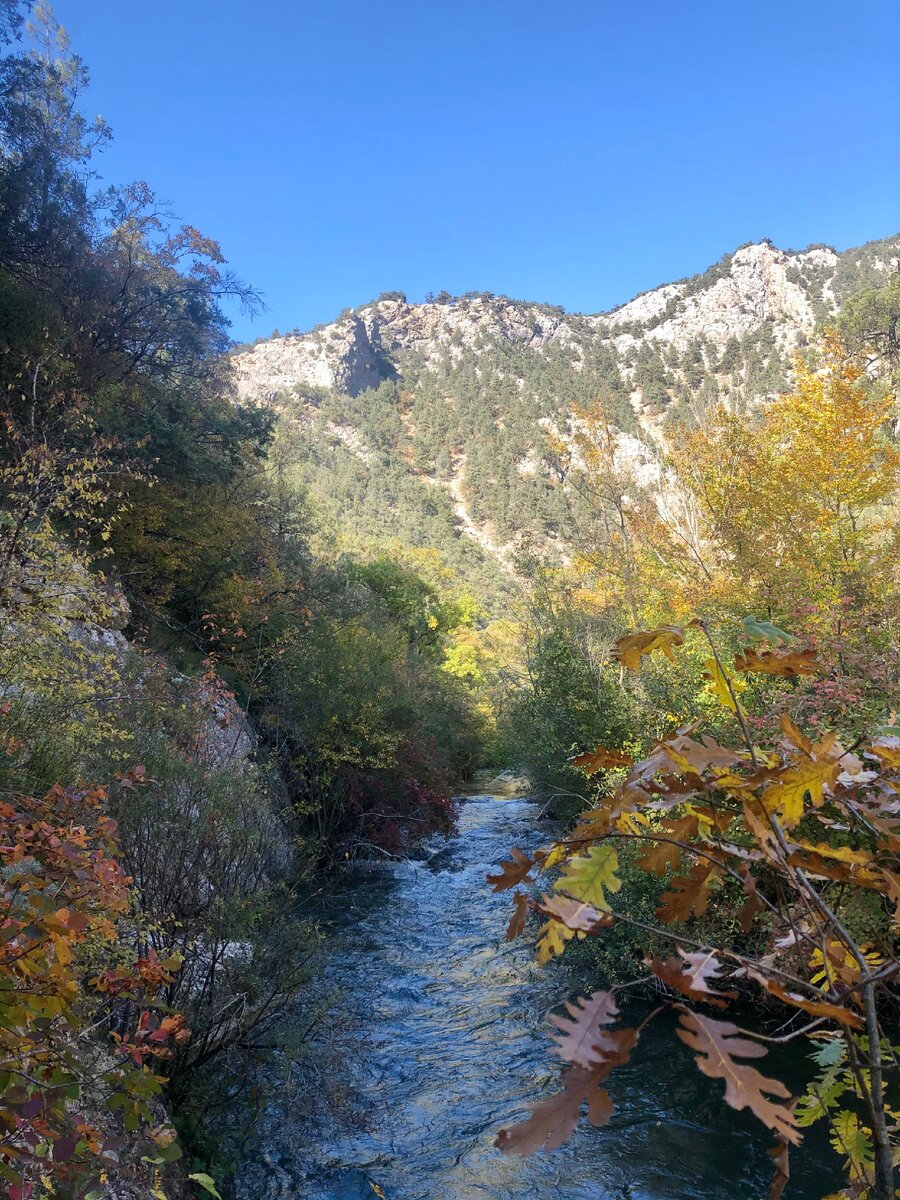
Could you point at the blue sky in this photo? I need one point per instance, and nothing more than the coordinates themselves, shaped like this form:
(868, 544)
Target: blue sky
(573, 152)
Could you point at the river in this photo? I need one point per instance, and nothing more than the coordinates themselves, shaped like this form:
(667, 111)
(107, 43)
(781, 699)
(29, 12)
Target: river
(447, 1044)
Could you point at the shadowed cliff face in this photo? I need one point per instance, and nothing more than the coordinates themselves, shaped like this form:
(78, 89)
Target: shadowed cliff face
(447, 1044)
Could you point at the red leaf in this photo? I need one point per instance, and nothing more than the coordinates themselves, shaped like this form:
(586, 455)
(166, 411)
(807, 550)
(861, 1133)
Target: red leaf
(63, 1149)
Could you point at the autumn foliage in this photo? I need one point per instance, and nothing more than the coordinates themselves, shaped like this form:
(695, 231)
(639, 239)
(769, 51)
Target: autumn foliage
(64, 896)
(793, 839)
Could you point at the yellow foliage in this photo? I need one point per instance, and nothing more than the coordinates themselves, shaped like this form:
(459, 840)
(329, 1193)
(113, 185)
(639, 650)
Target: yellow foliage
(717, 685)
(552, 940)
(785, 796)
(797, 499)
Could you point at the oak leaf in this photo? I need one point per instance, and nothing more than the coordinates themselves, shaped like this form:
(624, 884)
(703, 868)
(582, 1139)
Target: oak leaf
(794, 736)
(687, 895)
(780, 1156)
(553, 1121)
(789, 663)
(717, 1046)
(600, 759)
(852, 1139)
(761, 630)
(578, 916)
(663, 854)
(516, 925)
(512, 872)
(691, 975)
(786, 794)
(700, 753)
(762, 832)
(717, 685)
(858, 858)
(888, 750)
(892, 891)
(589, 878)
(582, 1039)
(827, 868)
(630, 649)
(816, 1008)
(753, 904)
(594, 823)
(552, 940)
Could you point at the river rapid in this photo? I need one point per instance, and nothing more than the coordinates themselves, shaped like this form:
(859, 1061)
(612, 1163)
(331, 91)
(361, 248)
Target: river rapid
(447, 1043)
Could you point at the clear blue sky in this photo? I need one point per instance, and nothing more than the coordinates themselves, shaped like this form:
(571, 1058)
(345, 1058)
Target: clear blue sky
(576, 151)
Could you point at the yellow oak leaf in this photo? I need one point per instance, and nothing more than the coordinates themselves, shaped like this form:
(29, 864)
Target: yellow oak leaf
(590, 877)
(629, 650)
(552, 940)
(717, 684)
(888, 750)
(785, 796)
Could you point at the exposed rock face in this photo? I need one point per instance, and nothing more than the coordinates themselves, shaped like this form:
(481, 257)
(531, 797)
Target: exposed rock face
(357, 352)
(757, 288)
(462, 447)
(341, 358)
(758, 285)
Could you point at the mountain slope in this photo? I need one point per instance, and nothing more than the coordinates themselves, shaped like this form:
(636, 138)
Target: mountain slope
(427, 423)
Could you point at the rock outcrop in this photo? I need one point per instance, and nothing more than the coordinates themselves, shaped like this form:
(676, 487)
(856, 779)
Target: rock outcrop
(485, 386)
(755, 287)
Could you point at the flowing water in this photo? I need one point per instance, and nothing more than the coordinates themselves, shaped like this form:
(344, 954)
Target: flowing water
(449, 1045)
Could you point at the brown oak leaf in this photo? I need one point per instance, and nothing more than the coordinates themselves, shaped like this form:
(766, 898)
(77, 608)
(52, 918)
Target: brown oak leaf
(780, 1156)
(512, 872)
(600, 759)
(717, 1046)
(789, 663)
(691, 975)
(753, 904)
(553, 1121)
(516, 925)
(582, 1039)
(688, 895)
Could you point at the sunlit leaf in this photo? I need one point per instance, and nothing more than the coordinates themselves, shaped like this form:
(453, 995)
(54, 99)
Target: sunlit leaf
(512, 872)
(717, 685)
(600, 759)
(206, 1182)
(629, 650)
(591, 877)
(788, 663)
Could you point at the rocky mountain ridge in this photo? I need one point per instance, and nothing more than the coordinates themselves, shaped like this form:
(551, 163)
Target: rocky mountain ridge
(756, 286)
(432, 424)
